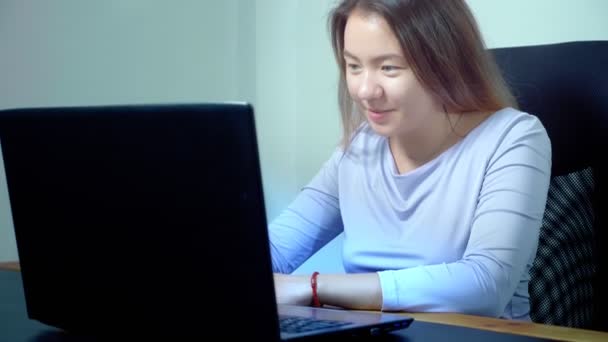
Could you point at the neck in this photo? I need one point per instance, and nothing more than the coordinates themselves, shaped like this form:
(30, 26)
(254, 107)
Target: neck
(421, 146)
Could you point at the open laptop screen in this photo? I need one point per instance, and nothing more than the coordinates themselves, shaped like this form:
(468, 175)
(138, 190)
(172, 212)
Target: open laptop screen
(139, 216)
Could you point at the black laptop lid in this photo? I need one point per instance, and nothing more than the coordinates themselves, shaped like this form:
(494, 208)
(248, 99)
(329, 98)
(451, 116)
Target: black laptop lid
(140, 217)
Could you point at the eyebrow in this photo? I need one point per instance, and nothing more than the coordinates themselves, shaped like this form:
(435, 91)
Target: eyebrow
(377, 58)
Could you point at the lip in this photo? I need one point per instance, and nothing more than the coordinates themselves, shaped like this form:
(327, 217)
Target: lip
(377, 115)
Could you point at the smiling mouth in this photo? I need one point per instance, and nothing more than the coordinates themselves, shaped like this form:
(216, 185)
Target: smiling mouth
(377, 111)
(378, 116)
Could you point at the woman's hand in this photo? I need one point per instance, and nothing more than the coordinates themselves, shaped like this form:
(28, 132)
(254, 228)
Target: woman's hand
(292, 289)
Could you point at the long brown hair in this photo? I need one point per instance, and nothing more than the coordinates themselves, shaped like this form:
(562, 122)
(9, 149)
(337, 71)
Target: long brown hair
(442, 44)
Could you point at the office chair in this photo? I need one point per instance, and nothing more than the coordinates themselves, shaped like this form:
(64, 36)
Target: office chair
(566, 86)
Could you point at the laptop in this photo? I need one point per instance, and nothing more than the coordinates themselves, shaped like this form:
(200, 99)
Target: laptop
(149, 220)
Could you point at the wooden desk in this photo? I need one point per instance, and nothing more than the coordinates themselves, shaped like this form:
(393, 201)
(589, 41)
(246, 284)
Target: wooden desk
(10, 265)
(483, 323)
(513, 327)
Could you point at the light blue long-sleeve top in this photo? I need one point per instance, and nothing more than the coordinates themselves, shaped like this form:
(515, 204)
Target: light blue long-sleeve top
(457, 234)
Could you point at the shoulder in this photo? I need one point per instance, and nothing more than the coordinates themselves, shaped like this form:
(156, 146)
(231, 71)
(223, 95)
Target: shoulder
(518, 119)
(510, 125)
(509, 130)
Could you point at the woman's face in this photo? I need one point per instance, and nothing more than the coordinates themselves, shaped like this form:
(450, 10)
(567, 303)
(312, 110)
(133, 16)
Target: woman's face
(379, 79)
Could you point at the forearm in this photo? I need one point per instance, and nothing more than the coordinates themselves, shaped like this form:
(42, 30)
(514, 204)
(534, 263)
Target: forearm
(351, 291)
(471, 287)
(311, 221)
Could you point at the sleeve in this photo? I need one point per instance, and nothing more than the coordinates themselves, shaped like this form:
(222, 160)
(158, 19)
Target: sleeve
(309, 222)
(503, 237)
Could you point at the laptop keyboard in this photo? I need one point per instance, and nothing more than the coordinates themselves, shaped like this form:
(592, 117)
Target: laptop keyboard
(294, 324)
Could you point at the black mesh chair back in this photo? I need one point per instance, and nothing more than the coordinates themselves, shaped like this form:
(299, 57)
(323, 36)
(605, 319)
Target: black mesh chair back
(566, 86)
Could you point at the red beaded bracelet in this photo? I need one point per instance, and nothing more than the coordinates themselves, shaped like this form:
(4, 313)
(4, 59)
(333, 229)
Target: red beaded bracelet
(313, 285)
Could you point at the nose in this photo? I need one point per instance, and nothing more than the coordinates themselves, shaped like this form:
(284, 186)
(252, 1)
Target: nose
(369, 88)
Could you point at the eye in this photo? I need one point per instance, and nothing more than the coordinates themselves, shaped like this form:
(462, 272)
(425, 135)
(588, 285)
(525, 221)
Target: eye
(390, 69)
(353, 68)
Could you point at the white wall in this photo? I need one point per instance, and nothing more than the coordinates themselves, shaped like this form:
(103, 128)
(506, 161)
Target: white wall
(529, 22)
(274, 53)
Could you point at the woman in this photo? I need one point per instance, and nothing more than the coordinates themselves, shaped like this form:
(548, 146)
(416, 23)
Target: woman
(440, 183)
